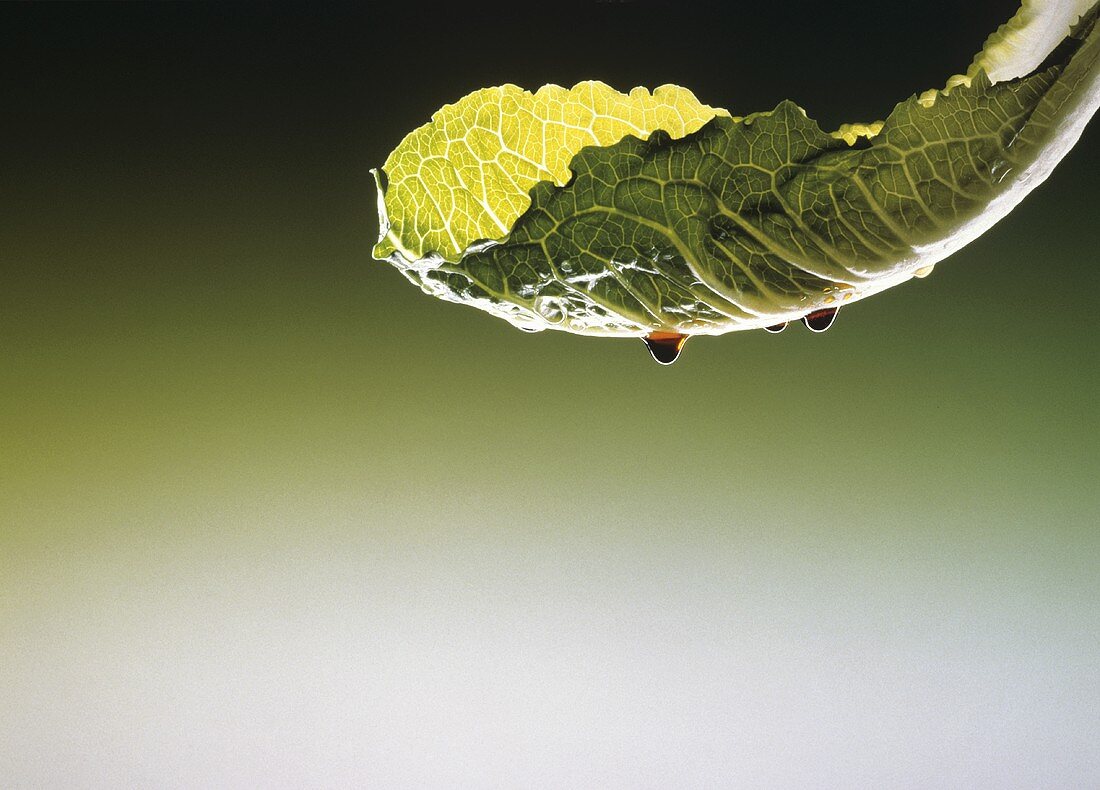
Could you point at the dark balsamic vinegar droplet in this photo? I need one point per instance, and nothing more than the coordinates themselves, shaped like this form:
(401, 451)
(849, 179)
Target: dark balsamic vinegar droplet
(820, 320)
(665, 346)
(775, 329)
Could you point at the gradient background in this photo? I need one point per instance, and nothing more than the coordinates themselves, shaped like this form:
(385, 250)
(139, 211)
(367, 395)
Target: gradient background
(269, 516)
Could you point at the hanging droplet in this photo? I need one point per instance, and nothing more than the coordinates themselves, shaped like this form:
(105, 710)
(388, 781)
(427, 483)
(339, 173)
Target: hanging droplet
(775, 329)
(665, 346)
(820, 320)
(924, 271)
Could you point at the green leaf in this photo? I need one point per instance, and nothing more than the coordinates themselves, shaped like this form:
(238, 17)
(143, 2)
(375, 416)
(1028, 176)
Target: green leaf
(750, 222)
(467, 175)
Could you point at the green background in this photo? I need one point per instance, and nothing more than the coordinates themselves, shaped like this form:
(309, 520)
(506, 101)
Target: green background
(271, 516)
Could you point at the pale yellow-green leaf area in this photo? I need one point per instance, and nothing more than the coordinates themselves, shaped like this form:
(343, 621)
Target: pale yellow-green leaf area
(1021, 44)
(852, 132)
(466, 175)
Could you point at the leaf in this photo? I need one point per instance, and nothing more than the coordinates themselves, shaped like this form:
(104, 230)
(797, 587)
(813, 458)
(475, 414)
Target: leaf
(750, 222)
(1019, 46)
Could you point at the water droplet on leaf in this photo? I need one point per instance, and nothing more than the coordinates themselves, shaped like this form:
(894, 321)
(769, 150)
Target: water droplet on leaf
(665, 346)
(924, 271)
(820, 320)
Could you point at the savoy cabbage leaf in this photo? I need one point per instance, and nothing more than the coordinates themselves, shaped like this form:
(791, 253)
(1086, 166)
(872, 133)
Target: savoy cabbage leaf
(596, 212)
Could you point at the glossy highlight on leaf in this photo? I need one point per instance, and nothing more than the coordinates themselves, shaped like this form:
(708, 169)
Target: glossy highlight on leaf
(719, 223)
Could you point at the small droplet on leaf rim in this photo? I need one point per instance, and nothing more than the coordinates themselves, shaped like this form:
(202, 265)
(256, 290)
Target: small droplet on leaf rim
(820, 320)
(775, 329)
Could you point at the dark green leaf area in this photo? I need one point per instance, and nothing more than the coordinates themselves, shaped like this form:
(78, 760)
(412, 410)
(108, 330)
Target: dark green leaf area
(749, 219)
